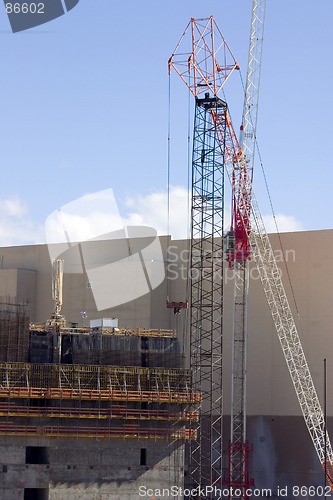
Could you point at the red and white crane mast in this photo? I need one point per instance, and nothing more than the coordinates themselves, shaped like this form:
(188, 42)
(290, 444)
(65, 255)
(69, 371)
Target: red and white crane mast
(250, 238)
(239, 253)
(200, 70)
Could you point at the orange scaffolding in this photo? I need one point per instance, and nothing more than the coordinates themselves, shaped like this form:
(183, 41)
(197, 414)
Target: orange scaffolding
(54, 386)
(140, 332)
(80, 431)
(113, 412)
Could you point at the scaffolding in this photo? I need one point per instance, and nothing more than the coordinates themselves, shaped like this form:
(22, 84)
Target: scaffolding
(113, 401)
(140, 332)
(97, 382)
(139, 347)
(14, 327)
(95, 432)
(10, 409)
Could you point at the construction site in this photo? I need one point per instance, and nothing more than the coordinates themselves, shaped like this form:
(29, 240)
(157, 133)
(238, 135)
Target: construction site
(78, 383)
(204, 374)
(125, 395)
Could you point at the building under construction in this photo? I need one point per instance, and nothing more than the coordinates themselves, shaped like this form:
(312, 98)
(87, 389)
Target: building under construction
(120, 394)
(96, 408)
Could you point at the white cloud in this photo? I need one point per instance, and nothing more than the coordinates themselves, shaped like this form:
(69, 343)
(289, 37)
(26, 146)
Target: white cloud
(284, 223)
(63, 226)
(97, 214)
(16, 228)
(152, 210)
(13, 207)
(87, 217)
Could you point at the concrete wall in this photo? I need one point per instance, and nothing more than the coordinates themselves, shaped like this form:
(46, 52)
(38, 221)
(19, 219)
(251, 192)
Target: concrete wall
(86, 469)
(311, 274)
(20, 283)
(146, 311)
(283, 452)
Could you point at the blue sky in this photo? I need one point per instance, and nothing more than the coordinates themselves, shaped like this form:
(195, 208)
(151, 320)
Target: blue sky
(84, 107)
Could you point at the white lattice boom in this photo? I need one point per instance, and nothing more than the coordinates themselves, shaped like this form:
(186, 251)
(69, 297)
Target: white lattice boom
(262, 253)
(238, 450)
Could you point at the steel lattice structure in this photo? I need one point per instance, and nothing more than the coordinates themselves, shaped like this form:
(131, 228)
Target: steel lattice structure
(251, 100)
(249, 238)
(206, 299)
(200, 70)
(239, 448)
(262, 253)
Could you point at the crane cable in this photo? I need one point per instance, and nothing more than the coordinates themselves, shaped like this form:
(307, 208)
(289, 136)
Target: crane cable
(171, 445)
(278, 232)
(279, 236)
(180, 326)
(189, 195)
(273, 215)
(327, 474)
(178, 323)
(168, 186)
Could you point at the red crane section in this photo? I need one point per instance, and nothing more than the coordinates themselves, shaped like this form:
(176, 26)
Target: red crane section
(238, 240)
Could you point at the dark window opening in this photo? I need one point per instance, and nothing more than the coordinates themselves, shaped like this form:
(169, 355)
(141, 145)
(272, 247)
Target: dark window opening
(37, 402)
(36, 455)
(144, 351)
(144, 359)
(67, 350)
(36, 494)
(144, 344)
(143, 456)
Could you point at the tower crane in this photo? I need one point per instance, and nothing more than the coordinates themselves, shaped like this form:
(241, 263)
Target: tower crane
(238, 257)
(203, 75)
(263, 255)
(201, 72)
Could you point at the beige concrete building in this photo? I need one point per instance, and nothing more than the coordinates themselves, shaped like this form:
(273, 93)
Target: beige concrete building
(283, 455)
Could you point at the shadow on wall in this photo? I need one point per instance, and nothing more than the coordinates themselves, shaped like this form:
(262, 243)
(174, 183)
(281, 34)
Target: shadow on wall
(283, 454)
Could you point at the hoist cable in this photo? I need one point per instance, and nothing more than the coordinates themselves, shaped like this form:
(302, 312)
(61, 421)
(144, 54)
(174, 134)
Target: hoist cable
(278, 233)
(272, 211)
(168, 183)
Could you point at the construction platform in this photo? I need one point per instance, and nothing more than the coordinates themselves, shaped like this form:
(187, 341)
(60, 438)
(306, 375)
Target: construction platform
(96, 382)
(95, 401)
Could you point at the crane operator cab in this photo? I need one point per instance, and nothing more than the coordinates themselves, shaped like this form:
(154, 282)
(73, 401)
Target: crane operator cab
(229, 243)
